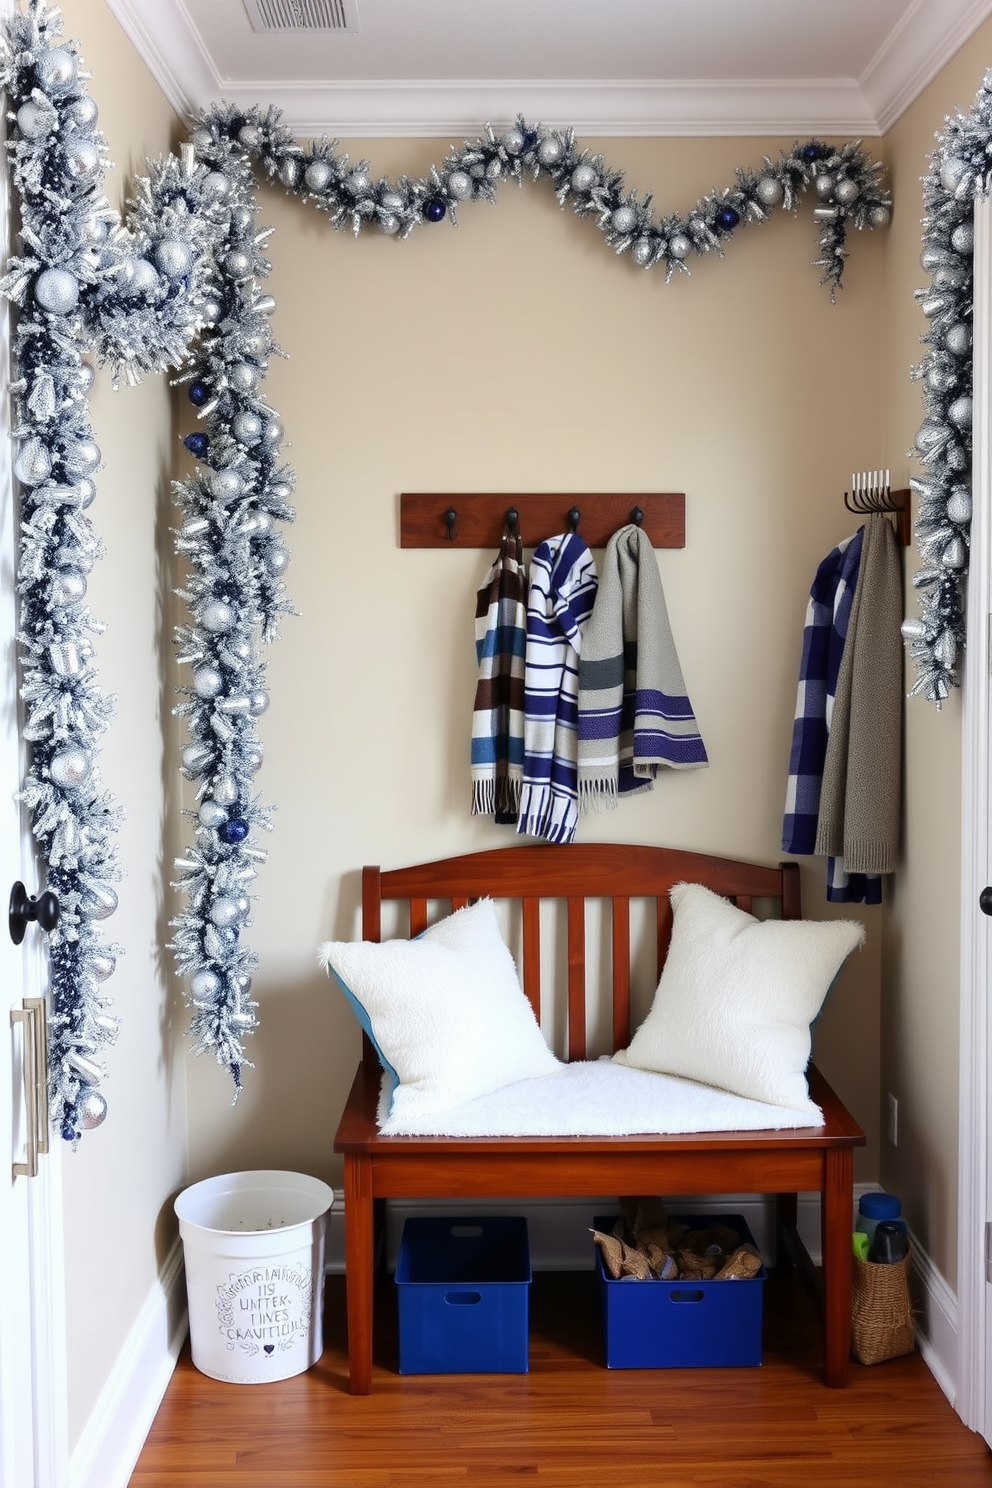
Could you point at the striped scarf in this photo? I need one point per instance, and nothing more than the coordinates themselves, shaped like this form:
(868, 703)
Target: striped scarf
(634, 714)
(498, 716)
(562, 590)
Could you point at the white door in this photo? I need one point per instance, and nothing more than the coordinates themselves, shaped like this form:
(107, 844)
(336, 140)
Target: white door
(974, 1401)
(33, 1415)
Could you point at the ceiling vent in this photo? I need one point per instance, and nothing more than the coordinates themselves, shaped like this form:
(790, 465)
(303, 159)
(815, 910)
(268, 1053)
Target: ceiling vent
(303, 15)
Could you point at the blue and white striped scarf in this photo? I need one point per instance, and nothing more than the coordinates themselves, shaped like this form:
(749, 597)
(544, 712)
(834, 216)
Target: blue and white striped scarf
(824, 637)
(562, 591)
(498, 714)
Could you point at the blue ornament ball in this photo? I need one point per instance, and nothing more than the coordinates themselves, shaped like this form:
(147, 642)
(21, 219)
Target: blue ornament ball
(197, 444)
(813, 151)
(69, 1133)
(198, 393)
(234, 831)
(727, 218)
(435, 209)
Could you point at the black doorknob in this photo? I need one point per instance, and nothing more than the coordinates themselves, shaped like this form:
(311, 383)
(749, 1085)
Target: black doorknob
(24, 907)
(985, 900)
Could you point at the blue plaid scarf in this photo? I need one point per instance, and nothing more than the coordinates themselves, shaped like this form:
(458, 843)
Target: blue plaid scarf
(824, 635)
(562, 591)
(498, 715)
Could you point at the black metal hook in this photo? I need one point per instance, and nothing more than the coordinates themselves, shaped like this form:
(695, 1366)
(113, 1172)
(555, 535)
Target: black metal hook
(450, 519)
(636, 516)
(512, 518)
(24, 907)
(574, 518)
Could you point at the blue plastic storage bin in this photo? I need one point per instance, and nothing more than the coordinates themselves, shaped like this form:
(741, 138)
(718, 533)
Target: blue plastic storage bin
(681, 1324)
(463, 1287)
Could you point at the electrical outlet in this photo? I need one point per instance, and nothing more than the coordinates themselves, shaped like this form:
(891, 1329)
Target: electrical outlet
(893, 1121)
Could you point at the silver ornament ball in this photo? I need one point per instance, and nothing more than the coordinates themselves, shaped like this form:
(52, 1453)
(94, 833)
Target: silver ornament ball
(216, 185)
(226, 485)
(847, 192)
(550, 150)
(318, 175)
(954, 554)
(913, 630)
(246, 427)
(205, 983)
(173, 258)
(276, 559)
(769, 191)
(250, 136)
(211, 813)
(57, 291)
(513, 142)
(68, 586)
(201, 139)
(82, 457)
(259, 703)
(83, 112)
(70, 767)
(33, 464)
(642, 252)
(460, 185)
(217, 616)
(941, 379)
(103, 965)
(824, 186)
(238, 263)
(960, 412)
(389, 224)
(140, 278)
(82, 159)
(959, 504)
(274, 431)
(289, 171)
(56, 70)
(584, 178)
(85, 376)
(243, 377)
(391, 201)
(34, 121)
(87, 492)
(196, 757)
(880, 216)
(208, 682)
(225, 912)
(624, 220)
(226, 790)
(99, 901)
(958, 339)
(963, 238)
(358, 182)
(952, 171)
(929, 435)
(91, 1109)
(679, 246)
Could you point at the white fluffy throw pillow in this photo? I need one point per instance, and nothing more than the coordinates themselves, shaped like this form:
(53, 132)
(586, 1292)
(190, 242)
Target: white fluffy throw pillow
(445, 1011)
(737, 996)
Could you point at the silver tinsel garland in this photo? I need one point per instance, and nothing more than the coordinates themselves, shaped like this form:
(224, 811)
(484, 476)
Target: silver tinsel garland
(959, 172)
(191, 259)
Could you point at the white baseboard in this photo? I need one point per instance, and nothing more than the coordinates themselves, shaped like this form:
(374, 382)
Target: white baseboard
(115, 1432)
(936, 1322)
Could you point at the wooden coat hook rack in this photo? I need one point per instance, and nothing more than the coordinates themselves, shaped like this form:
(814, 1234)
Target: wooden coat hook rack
(479, 520)
(870, 492)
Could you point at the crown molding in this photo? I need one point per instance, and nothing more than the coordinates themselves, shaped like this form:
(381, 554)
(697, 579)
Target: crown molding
(924, 41)
(927, 36)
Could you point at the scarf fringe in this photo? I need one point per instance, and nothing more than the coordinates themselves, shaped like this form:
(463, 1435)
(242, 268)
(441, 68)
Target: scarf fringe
(598, 795)
(497, 797)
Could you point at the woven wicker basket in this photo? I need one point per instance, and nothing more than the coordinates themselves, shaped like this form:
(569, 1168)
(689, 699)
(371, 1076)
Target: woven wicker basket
(882, 1324)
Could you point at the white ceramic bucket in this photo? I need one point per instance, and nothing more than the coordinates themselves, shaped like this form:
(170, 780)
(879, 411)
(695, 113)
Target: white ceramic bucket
(254, 1250)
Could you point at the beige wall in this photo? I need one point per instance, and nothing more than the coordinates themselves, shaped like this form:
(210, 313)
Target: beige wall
(117, 1185)
(518, 353)
(515, 353)
(920, 989)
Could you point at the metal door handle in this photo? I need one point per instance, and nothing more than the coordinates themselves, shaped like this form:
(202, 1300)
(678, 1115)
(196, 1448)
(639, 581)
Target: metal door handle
(33, 1015)
(985, 900)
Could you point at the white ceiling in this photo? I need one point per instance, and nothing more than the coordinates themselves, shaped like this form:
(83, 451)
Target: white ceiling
(606, 67)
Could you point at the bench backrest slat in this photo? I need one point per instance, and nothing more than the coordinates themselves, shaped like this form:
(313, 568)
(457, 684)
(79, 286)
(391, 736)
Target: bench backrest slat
(575, 873)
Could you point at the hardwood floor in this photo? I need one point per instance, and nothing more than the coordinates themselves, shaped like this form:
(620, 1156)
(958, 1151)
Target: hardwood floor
(569, 1423)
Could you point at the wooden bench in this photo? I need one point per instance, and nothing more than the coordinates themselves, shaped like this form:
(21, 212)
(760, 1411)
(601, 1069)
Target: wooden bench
(783, 1163)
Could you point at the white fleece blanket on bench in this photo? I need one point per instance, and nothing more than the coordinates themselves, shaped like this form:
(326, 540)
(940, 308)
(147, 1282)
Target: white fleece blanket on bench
(597, 1098)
